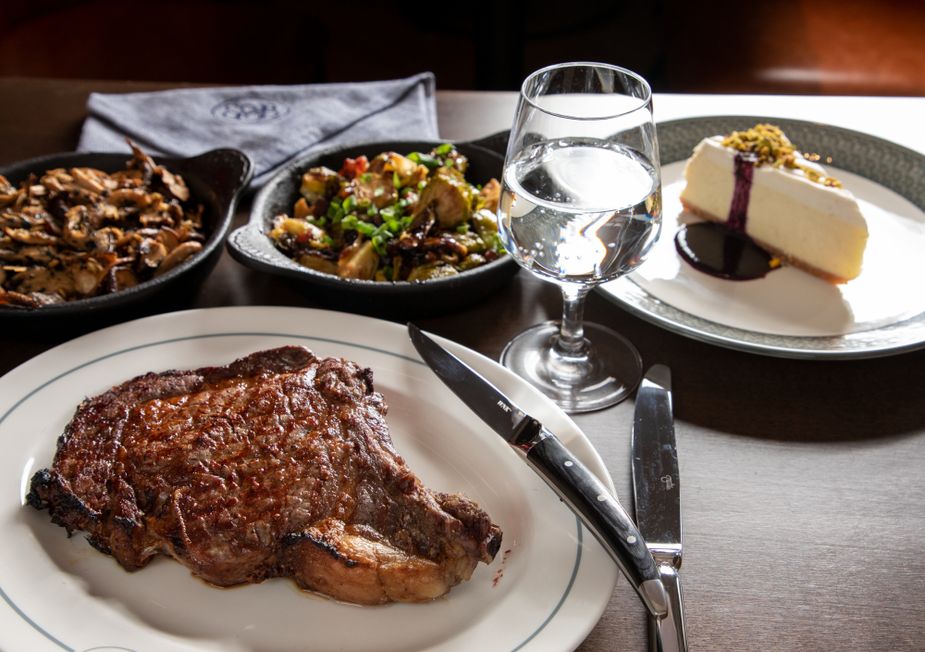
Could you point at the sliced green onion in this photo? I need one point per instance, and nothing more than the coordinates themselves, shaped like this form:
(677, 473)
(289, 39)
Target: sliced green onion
(445, 148)
(389, 212)
(425, 159)
(379, 243)
(335, 213)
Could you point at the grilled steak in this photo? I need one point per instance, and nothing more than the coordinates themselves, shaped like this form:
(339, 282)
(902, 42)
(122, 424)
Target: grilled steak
(279, 464)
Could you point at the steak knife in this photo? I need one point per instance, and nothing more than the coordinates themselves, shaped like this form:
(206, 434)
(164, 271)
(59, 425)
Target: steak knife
(657, 494)
(577, 486)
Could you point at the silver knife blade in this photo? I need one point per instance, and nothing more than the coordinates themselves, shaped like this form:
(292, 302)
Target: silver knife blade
(491, 406)
(577, 486)
(657, 494)
(656, 481)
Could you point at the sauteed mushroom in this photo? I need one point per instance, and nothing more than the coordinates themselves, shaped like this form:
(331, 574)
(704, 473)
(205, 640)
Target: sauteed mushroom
(74, 233)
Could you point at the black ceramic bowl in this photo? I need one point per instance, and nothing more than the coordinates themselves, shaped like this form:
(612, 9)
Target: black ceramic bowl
(214, 178)
(251, 246)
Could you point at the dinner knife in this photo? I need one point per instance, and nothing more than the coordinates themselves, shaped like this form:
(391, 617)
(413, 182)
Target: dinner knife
(657, 494)
(577, 486)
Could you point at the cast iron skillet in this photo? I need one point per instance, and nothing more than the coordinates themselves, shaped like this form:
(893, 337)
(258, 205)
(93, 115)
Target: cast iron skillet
(251, 246)
(215, 179)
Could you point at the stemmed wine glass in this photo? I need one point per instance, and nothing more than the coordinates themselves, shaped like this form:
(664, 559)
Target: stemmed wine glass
(580, 205)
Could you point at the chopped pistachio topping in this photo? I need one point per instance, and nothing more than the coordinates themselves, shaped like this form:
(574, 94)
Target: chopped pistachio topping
(770, 146)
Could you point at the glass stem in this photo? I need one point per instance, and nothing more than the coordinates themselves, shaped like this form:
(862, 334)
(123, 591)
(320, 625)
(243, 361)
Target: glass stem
(571, 342)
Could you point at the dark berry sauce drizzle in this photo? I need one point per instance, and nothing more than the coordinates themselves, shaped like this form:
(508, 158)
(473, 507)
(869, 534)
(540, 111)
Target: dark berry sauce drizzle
(724, 250)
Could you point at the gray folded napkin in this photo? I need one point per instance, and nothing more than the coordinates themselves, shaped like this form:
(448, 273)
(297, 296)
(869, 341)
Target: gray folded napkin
(271, 124)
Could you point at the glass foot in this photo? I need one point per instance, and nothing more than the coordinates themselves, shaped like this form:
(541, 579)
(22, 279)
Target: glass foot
(605, 376)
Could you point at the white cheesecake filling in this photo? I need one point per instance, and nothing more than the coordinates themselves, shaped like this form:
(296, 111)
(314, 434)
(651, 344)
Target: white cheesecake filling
(820, 226)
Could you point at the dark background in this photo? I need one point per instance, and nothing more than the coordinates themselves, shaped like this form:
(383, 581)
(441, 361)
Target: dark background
(872, 47)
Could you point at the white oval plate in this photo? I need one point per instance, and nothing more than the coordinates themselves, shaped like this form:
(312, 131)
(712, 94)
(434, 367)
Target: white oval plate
(790, 313)
(545, 590)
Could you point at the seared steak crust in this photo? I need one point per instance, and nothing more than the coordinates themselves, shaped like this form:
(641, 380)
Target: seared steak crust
(279, 464)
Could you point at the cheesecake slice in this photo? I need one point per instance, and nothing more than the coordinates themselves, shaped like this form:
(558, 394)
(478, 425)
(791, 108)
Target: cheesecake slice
(757, 183)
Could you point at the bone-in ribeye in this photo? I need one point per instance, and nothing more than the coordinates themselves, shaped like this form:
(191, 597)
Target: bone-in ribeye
(279, 464)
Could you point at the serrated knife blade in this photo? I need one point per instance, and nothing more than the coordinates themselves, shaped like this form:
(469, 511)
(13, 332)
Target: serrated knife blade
(657, 494)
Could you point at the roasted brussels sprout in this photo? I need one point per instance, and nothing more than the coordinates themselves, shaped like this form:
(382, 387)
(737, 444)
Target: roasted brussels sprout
(432, 270)
(449, 196)
(359, 260)
(313, 260)
(319, 182)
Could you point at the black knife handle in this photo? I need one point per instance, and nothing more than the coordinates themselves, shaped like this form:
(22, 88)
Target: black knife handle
(599, 511)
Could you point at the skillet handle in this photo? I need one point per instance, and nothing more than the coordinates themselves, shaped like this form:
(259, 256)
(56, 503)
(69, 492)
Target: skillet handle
(226, 171)
(495, 142)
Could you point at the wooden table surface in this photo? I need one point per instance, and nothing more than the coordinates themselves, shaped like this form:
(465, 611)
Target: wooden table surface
(803, 484)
